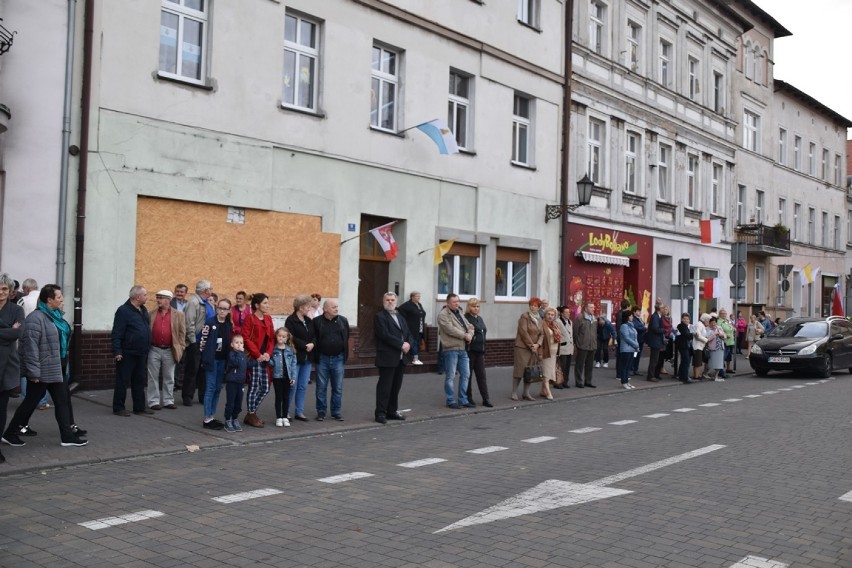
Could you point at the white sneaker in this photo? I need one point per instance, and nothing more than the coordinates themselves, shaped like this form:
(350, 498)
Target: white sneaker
(285, 422)
(279, 422)
(417, 362)
(626, 386)
(719, 380)
(606, 365)
(597, 365)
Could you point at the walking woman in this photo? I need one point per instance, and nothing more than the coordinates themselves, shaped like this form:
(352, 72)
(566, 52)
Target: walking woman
(475, 351)
(11, 321)
(683, 344)
(259, 337)
(299, 325)
(628, 347)
(529, 340)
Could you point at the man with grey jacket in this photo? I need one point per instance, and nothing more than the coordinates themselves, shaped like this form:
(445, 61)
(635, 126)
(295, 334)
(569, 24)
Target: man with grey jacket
(455, 333)
(198, 310)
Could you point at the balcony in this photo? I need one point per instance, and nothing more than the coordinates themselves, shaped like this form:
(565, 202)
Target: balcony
(763, 240)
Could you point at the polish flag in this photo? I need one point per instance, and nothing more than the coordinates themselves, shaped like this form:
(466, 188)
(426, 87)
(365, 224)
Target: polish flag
(712, 288)
(837, 303)
(384, 235)
(711, 231)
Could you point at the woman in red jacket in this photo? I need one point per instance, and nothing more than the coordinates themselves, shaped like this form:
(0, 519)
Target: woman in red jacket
(259, 337)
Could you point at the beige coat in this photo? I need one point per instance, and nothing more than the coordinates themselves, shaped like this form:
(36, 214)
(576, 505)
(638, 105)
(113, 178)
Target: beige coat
(450, 330)
(529, 332)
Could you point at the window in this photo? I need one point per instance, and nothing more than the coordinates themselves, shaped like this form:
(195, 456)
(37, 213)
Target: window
(849, 225)
(837, 169)
(691, 180)
(824, 229)
(797, 221)
(782, 211)
(811, 225)
(666, 63)
(385, 87)
(718, 92)
(797, 153)
(634, 45)
(458, 272)
(751, 131)
(836, 239)
(741, 204)
(759, 294)
(458, 111)
(630, 161)
(759, 203)
(693, 70)
(825, 165)
(782, 146)
(597, 26)
(758, 67)
(663, 173)
(184, 23)
(528, 11)
(748, 64)
(811, 159)
(301, 62)
(716, 188)
(512, 275)
(780, 294)
(521, 125)
(596, 150)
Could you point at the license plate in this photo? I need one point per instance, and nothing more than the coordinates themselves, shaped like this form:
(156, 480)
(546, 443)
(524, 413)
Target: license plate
(779, 359)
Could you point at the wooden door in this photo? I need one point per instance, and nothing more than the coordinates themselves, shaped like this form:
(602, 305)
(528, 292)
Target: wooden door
(373, 274)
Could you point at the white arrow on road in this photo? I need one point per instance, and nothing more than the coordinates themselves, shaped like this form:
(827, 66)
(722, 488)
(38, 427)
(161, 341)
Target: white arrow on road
(554, 494)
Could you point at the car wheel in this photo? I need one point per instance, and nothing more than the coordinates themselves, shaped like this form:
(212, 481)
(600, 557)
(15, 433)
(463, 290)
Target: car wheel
(761, 372)
(827, 367)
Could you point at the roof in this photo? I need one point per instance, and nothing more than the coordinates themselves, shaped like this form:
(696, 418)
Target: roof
(789, 89)
(763, 17)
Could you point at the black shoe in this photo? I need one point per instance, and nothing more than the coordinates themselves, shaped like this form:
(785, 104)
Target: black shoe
(187, 403)
(469, 405)
(559, 387)
(395, 416)
(380, 418)
(146, 411)
(122, 412)
(77, 430)
(75, 441)
(26, 431)
(213, 425)
(487, 404)
(320, 418)
(454, 406)
(688, 382)
(591, 386)
(302, 418)
(12, 439)
(579, 386)
(337, 417)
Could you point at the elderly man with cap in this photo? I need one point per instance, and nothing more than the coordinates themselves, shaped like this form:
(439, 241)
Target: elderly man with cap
(168, 339)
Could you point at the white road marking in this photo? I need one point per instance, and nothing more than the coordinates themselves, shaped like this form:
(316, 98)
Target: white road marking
(708, 404)
(246, 495)
(584, 430)
(814, 383)
(657, 415)
(345, 477)
(787, 389)
(758, 562)
(732, 400)
(798, 386)
(769, 392)
(846, 497)
(623, 422)
(554, 494)
(421, 463)
(683, 410)
(539, 440)
(487, 450)
(751, 396)
(121, 520)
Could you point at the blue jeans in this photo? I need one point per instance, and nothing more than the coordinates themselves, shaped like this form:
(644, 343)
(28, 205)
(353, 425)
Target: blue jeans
(330, 368)
(625, 365)
(297, 395)
(453, 361)
(213, 386)
(683, 368)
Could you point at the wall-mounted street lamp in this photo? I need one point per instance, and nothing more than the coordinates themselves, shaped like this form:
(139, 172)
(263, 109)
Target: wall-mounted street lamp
(584, 193)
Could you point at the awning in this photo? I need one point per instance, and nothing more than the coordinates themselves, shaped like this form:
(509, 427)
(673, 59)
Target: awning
(605, 258)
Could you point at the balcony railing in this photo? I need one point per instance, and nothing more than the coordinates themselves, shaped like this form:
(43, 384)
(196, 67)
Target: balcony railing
(766, 240)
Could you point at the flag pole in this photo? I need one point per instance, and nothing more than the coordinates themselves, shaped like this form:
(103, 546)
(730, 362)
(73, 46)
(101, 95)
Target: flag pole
(436, 246)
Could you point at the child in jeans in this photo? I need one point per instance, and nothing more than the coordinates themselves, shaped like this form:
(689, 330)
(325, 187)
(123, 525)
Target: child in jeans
(283, 363)
(235, 378)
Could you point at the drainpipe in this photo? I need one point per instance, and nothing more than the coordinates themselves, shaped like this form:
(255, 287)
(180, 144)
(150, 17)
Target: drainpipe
(82, 177)
(566, 150)
(66, 142)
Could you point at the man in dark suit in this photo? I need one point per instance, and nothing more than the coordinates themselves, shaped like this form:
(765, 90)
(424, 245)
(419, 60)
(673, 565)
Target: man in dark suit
(393, 342)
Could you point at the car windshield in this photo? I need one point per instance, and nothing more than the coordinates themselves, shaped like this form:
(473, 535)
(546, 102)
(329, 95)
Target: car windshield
(802, 329)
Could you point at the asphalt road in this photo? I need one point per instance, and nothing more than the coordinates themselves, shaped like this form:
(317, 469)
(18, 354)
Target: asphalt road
(755, 474)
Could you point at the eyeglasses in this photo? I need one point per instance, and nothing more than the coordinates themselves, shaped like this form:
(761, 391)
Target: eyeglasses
(224, 309)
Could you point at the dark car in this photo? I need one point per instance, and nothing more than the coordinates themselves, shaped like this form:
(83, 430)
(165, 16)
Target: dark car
(808, 345)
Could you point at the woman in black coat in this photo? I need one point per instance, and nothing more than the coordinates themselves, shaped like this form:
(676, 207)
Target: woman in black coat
(476, 351)
(415, 317)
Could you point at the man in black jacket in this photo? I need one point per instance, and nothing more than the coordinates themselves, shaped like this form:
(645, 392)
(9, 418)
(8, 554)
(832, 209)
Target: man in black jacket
(131, 341)
(331, 346)
(393, 342)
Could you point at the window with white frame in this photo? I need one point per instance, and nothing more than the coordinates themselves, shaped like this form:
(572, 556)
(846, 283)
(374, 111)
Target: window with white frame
(634, 46)
(780, 294)
(849, 225)
(782, 146)
(666, 67)
(837, 169)
(748, 64)
(663, 172)
(384, 88)
(301, 62)
(716, 188)
(597, 26)
(759, 293)
(758, 66)
(512, 274)
(759, 204)
(631, 160)
(836, 239)
(751, 131)
(458, 108)
(824, 228)
(811, 225)
(797, 221)
(691, 180)
(825, 155)
(693, 70)
(718, 91)
(741, 204)
(782, 211)
(459, 271)
(521, 129)
(596, 150)
(812, 159)
(528, 12)
(797, 153)
(183, 39)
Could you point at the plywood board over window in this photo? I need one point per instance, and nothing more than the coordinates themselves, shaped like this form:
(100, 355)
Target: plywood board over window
(280, 254)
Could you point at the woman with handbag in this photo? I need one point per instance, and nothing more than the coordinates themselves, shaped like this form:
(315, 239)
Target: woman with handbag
(529, 348)
(552, 339)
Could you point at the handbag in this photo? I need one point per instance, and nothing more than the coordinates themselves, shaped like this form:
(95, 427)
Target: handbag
(706, 355)
(534, 372)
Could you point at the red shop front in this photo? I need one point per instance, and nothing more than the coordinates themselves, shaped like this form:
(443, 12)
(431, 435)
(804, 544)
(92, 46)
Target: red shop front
(606, 266)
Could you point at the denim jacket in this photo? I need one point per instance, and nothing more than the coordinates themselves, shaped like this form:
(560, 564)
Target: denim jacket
(283, 363)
